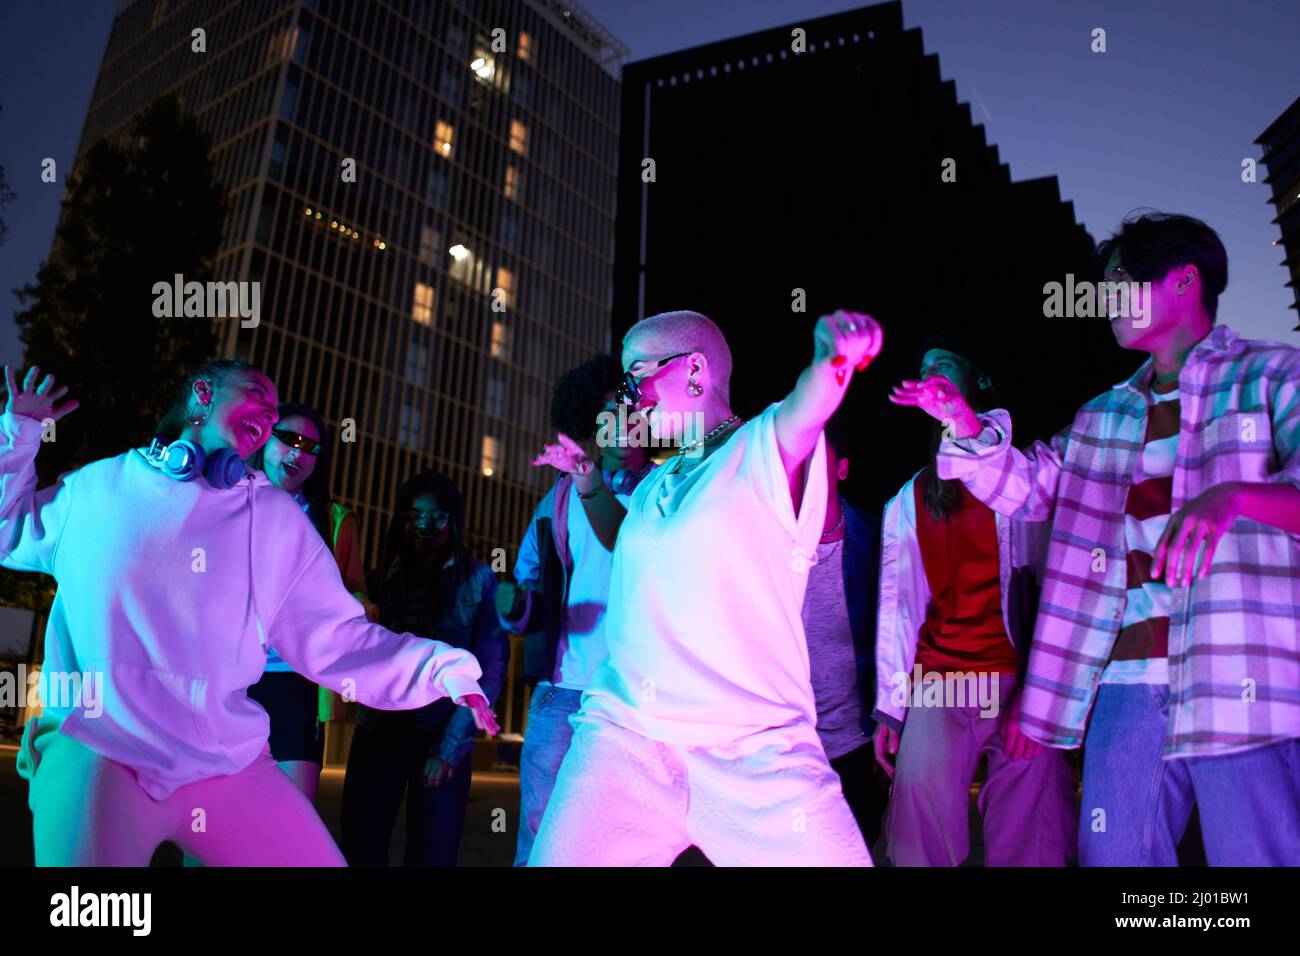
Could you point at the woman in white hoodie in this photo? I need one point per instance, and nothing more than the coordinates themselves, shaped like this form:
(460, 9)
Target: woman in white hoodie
(169, 593)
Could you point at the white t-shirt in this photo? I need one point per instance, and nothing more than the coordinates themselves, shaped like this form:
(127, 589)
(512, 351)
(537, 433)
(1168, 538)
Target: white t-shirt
(582, 645)
(706, 642)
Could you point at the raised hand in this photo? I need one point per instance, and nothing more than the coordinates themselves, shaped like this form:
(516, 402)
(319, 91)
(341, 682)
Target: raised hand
(939, 398)
(847, 340)
(565, 455)
(36, 401)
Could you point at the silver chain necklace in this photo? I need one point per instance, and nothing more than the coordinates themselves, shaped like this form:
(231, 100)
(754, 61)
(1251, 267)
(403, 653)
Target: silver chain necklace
(701, 442)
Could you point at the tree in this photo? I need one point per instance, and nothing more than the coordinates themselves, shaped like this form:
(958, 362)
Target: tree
(136, 212)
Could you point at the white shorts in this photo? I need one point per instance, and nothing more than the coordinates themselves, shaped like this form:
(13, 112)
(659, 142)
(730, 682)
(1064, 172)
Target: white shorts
(769, 799)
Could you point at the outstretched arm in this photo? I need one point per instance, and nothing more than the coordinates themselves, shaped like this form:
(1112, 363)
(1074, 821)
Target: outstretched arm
(842, 343)
(31, 521)
(321, 631)
(977, 449)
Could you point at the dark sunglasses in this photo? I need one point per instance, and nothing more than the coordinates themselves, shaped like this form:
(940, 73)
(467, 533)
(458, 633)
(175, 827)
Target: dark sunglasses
(629, 391)
(294, 440)
(438, 519)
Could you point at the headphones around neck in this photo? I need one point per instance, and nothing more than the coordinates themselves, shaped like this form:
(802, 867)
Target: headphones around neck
(185, 460)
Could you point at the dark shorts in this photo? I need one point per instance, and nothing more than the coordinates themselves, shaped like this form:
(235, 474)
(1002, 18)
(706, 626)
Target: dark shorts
(290, 700)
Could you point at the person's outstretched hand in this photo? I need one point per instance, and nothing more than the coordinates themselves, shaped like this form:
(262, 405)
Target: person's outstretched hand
(36, 401)
(482, 711)
(943, 401)
(565, 455)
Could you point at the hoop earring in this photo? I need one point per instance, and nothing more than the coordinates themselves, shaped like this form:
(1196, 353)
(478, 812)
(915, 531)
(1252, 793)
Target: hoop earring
(196, 419)
(695, 388)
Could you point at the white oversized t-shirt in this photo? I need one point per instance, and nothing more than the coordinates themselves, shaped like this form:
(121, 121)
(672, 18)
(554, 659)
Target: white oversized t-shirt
(705, 636)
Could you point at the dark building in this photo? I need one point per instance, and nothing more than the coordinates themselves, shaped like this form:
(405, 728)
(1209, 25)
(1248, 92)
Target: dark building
(434, 299)
(823, 171)
(1281, 142)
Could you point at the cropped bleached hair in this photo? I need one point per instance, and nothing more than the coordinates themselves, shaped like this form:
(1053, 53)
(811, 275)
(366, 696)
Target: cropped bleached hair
(684, 331)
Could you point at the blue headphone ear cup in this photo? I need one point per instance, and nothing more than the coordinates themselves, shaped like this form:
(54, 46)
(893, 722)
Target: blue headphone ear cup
(224, 468)
(183, 460)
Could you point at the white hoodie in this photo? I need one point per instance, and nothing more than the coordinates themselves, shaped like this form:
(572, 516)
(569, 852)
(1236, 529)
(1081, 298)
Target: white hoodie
(170, 590)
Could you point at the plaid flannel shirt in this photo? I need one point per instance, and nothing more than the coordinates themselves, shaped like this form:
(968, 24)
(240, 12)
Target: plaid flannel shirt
(1234, 638)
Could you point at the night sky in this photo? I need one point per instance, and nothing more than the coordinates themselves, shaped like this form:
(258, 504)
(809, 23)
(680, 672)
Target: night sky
(1162, 119)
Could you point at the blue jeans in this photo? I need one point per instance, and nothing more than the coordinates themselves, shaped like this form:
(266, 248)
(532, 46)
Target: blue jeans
(546, 741)
(1136, 805)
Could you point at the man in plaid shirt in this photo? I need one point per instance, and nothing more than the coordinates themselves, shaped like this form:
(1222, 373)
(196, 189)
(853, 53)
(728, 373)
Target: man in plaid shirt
(1170, 611)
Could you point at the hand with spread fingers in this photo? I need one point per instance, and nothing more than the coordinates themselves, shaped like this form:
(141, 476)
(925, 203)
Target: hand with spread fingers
(36, 401)
(943, 401)
(1202, 521)
(565, 455)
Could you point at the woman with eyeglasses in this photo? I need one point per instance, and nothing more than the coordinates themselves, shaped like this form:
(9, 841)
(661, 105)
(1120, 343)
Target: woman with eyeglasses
(428, 584)
(297, 460)
(176, 567)
(700, 727)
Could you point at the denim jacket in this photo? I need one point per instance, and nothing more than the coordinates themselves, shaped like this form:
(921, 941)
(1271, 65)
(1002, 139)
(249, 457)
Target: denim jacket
(467, 619)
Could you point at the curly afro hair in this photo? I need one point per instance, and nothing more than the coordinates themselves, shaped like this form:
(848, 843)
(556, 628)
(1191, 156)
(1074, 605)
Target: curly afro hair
(580, 393)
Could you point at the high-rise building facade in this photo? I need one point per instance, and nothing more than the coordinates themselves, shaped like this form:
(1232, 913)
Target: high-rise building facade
(827, 164)
(1281, 142)
(425, 191)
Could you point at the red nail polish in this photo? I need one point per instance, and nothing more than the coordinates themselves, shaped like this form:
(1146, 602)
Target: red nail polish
(838, 361)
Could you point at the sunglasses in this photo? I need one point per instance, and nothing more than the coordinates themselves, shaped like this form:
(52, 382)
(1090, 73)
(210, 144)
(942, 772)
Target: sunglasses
(301, 442)
(437, 519)
(629, 390)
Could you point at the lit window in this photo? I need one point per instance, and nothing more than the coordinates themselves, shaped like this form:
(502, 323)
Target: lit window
(519, 137)
(500, 339)
(462, 263)
(482, 65)
(512, 183)
(488, 460)
(506, 283)
(443, 138)
(525, 42)
(422, 306)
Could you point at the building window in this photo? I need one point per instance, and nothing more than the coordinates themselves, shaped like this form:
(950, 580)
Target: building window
(500, 348)
(437, 191)
(525, 45)
(519, 137)
(509, 230)
(506, 283)
(488, 458)
(290, 97)
(483, 66)
(443, 138)
(411, 430)
(512, 183)
(430, 243)
(462, 263)
(422, 305)
(417, 364)
(451, 86)
(496, 398)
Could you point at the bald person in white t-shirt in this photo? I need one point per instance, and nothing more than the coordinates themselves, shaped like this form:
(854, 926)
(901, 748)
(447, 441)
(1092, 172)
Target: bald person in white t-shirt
(700, 728)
